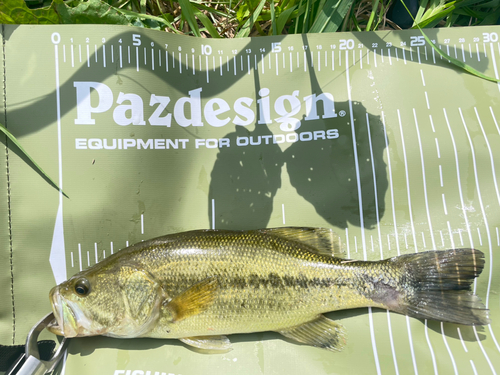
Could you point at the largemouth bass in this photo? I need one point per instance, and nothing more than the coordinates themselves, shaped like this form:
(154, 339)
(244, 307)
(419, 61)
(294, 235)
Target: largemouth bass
(199, 286)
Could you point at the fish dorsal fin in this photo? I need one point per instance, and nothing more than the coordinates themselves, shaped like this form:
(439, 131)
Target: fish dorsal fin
(193, 300)
(324, 241)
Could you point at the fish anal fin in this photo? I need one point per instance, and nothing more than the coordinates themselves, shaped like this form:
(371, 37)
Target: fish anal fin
(215, 343)
(324, 241)
(320, 332)
(193, 300)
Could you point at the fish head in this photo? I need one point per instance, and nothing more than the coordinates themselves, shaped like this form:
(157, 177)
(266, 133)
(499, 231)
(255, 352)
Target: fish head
(118, 301)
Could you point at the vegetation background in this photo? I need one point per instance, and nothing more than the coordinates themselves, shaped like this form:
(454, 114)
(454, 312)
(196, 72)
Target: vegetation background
(242, 18)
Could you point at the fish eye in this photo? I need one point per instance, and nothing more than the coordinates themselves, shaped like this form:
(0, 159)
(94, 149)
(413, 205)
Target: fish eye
(82, 287)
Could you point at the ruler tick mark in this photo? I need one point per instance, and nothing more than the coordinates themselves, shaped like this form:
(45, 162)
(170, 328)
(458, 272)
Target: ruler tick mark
(80, 256)
(137, 58)
(206, 68)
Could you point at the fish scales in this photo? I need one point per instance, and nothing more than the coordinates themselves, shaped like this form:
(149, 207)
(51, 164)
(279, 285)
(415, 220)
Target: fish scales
(209, 283)
(262, 280)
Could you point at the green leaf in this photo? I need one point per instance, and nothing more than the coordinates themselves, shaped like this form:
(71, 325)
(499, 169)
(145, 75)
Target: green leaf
(454, 61)
(283, 19)
(273, 18)
(331, 16)
(16, 12)
(187, 11)
(207, 23)
(372, 15)
(92, 11)
(9, 135)
(131, 16)
(245, 29)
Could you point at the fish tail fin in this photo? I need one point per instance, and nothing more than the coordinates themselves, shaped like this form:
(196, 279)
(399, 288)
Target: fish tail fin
(438, 286)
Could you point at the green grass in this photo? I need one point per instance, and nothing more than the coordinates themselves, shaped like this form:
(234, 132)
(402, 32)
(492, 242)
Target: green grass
(232, 18)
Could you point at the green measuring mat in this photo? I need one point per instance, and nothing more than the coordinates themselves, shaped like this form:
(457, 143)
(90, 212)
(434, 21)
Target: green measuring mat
(148, 133)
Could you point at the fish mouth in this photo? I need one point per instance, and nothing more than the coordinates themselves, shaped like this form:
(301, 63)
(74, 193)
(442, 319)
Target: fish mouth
(65, 322)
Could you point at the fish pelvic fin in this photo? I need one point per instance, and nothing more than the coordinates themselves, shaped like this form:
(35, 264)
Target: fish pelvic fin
(219, 344)
(324, 241)
(193, 300)
(438, 286)
(320, 332)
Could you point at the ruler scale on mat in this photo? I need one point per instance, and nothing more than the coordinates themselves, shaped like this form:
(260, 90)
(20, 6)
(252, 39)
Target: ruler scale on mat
(372, 134)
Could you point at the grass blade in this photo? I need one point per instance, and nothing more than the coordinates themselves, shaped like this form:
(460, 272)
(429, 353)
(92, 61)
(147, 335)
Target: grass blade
(454, 61)
(207, 23)
(273, 18)
(13, 139)
(372, 15)
(188, 14)
(337, 17)
(283, 19)
(247, 26)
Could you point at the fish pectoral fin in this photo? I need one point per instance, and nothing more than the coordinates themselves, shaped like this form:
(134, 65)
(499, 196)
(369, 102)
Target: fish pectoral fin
(218, 343)
(193, 300)
(324, 241)
(321, 332)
